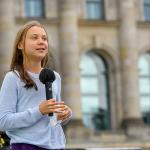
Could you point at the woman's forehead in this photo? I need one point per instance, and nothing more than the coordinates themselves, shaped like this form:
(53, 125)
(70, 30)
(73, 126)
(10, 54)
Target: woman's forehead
(36, 30)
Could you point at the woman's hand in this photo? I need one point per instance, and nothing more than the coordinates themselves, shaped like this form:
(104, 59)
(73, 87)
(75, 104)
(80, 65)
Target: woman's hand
(51, 106)
(64, 114)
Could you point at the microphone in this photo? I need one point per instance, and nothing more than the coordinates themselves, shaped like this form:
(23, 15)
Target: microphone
(47, 77)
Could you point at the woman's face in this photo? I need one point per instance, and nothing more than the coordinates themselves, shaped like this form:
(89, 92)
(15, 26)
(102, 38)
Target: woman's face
(36, 44)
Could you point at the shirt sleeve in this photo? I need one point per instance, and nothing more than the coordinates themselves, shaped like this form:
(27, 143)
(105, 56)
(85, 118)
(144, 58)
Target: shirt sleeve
(58, 80)
(59, 98)
(9, 118)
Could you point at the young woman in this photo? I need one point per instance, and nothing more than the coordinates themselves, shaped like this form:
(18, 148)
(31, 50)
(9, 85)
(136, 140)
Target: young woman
(23, 106)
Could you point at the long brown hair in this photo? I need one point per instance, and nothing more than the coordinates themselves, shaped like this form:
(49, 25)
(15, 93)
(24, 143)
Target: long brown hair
(17, 58)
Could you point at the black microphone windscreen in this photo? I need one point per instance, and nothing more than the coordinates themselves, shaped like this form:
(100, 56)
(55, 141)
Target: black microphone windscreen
(46, 75)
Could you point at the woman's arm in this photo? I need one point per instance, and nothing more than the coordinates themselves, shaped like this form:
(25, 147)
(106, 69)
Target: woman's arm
(9, 118)
(66, 114)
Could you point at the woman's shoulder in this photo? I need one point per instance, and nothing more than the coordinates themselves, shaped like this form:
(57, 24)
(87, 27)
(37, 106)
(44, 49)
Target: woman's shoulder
(10, 78)
(12, 75)
(57, 75)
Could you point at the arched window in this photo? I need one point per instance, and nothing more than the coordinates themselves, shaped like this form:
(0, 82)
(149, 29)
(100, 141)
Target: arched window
(94, 92)
(144, 85)
(34, 8)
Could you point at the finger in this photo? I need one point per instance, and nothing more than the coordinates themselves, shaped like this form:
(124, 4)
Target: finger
(63, 117)
(59, 103)
(52, 110)
(65, 113)
(51, 103)
(65, 108)
(51, 100)
(59, 106)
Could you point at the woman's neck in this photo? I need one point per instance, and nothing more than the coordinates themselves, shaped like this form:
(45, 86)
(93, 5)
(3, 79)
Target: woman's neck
(33, 67)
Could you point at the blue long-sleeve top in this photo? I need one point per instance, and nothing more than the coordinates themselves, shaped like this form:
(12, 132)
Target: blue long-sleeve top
(20, 116)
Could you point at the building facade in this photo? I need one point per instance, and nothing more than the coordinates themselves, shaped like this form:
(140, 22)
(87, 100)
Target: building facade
(101, 50)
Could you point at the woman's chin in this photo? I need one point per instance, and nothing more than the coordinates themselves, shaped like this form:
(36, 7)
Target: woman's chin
(39, 57)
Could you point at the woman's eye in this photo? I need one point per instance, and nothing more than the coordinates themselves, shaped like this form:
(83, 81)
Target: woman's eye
(44, 38)
(34, 37)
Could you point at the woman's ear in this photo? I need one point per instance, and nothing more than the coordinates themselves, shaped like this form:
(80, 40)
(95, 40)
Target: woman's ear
(20, 46)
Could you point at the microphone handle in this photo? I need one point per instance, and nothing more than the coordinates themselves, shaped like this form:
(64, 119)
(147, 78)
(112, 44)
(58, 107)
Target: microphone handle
(49, 94)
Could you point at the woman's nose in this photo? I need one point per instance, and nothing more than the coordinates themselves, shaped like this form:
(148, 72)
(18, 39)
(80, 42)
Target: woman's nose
(40, 40)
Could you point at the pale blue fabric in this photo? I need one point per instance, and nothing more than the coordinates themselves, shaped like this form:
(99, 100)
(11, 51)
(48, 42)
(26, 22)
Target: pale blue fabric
(20, 116)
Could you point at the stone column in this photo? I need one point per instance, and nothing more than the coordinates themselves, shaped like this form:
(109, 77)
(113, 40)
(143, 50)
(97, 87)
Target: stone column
(129, 62)
(6, 34)
(69, 56)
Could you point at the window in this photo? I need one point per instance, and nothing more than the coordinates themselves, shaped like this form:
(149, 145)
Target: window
(147, 10)
(34, 8)
(94, 92)
(95, 9)
(144, 82)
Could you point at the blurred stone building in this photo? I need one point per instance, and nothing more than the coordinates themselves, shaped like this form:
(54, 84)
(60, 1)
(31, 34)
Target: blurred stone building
(101, 49)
